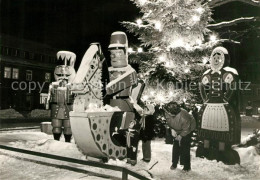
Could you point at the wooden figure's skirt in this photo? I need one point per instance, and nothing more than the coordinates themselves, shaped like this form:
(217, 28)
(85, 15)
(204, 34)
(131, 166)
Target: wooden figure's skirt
(218, 121)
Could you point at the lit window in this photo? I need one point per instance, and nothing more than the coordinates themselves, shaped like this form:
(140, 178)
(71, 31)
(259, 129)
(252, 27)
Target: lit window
(47, 77)
(28, 75)
(31, 55)
(42, 58)
(7, 51)
(7, 73)
(15, 73)
(15, 52)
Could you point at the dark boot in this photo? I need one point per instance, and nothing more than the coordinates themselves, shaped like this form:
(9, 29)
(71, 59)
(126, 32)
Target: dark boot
(200, 152)
(104, 159)
(67, 137)
(231, 157)
(186, 168)
(57, 136)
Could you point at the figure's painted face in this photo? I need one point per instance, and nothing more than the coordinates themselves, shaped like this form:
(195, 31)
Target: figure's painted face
(217, 60)
(118, 58)
(64, 72)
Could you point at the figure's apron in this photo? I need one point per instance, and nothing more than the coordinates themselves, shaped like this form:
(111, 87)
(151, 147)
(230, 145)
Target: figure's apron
(217, 121)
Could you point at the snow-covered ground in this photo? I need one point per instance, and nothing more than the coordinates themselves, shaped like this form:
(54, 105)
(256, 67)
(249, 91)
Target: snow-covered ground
(13, 167)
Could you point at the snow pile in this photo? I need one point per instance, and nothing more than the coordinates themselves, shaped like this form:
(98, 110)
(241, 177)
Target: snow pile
(42, 142)
(250, 122)
(38, 113)
(248, 155)
(252, 139)
(247, 139)
(10, 113)
(106, 108)
(248, 119)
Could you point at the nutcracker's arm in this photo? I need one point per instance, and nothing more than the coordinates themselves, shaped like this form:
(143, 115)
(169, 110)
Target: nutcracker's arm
(136, 95)
(230, 78)
(127, 80)
(47, 105)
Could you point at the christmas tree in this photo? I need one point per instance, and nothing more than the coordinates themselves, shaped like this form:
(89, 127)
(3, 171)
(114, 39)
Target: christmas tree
(177, 47)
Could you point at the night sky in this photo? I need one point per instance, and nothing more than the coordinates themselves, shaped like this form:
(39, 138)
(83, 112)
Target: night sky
(66, 24)
(73, 24)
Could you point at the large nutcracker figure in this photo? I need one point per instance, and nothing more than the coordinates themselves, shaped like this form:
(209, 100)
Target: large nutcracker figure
(60, 96)
(219, 120)
(123, 78)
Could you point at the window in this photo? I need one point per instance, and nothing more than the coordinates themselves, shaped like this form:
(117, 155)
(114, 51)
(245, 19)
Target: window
(14, 52)
(26, 54)
(2, 50)
(28, 75)
(258, 91)
(15, 73)
(22, 54)
(51, 59)
(31, 55)
(7, 51)
(47, 77)
(42, 58)
(7, 73)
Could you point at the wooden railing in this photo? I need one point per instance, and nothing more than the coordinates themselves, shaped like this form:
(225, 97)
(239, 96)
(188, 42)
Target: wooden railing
(125, 171)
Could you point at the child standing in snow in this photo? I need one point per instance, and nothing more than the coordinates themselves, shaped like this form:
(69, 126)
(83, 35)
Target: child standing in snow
(147, 131)
(182, 125)
(132, 139)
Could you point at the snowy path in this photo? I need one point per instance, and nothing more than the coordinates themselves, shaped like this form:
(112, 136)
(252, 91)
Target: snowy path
(14, 168)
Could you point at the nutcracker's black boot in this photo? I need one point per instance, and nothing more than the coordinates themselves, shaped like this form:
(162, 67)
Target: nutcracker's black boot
(67, 137)
(56, 136)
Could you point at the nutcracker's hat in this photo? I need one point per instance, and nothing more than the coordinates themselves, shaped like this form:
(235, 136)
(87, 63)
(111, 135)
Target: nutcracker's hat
(67, 58)
(118, 40)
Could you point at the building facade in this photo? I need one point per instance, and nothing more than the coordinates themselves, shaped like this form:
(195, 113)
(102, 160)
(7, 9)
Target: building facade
(26, 69)
(250, 75)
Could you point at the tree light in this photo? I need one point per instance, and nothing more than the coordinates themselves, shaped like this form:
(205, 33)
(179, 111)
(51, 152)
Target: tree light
(158, 26)
(152, 93)
(213, 38)
(142, 2)
(160, 97)
(130, 50)
(204, 60)
(140, 50)
(185, 62)
(200, 10)
(177, 43)
(139, 22)
(184, 100)
(186, 70)
(162, 58)
(199, 42)
(168, 64)
(196, 18)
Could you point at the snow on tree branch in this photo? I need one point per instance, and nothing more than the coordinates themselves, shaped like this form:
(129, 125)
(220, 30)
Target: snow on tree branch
(216, 3)
(232, 22)
(229, 40)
